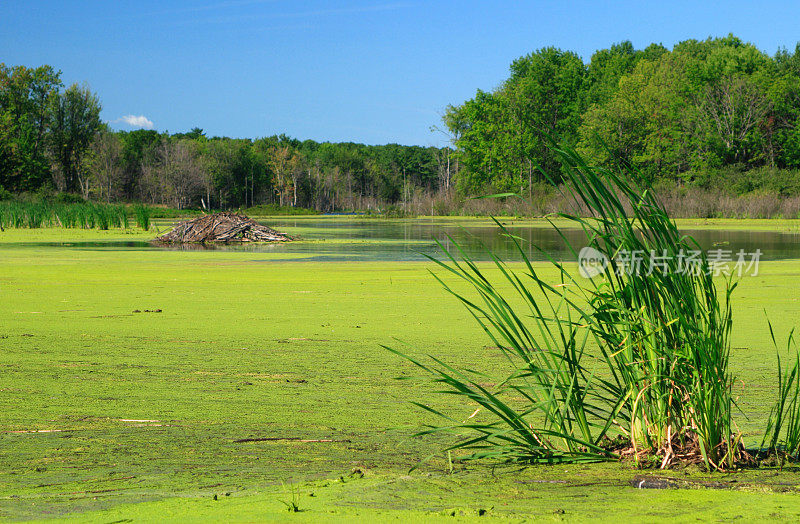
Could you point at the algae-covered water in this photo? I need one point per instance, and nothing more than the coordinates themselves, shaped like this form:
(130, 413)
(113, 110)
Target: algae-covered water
(378, 240)
(146, 383)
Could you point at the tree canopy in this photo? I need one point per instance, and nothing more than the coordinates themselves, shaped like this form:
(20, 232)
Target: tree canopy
(670, 113)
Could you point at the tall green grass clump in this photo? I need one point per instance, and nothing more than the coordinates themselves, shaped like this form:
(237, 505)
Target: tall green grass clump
(48, 213)
(38, 215)
(16, 215)
(85, 217)
(782, 435)
(122, 216)
(102, 216)
(628, 364)
(142, 214)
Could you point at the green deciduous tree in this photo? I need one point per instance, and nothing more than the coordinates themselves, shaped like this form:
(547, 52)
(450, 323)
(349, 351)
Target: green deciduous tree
(25, 94)
(74, 122)
(104, 164)
(502, 135)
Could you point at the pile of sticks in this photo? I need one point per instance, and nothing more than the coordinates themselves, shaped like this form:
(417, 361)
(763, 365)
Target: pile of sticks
(221, 227)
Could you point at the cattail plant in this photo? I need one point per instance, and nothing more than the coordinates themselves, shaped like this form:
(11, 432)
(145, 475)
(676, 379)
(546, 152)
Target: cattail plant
(624, 365)
(142, 213)
(69, 215)
(782, 436)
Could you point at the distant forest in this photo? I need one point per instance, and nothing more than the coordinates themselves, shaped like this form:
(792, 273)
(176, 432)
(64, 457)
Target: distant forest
(713, 123)
(52, 139)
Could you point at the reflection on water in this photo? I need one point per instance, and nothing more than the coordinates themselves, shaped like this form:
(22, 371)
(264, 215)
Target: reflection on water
(379, 240)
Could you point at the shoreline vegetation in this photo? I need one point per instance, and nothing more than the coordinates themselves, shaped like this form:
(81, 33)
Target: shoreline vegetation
(690, 205)
(126, 217)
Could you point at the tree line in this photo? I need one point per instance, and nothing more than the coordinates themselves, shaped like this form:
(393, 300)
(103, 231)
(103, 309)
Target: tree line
(44, 129)
(696, 114)
(193, 170)
(53, 137)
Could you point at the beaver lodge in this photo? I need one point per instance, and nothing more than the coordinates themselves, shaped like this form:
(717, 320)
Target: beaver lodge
(221, 227)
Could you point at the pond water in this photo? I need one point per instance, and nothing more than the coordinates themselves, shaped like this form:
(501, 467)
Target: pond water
(338, 239)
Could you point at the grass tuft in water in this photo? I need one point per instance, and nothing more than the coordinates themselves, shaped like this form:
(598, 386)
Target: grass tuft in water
(782, 435)
(629, 364)
(142, 213)
(86, 215)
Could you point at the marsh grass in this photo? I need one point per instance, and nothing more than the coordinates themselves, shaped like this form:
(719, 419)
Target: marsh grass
(292, 503)
(87, 215)
(122, 214)
(142, 213)
(782, 435)
(101, 215)
(541, 199)
(629, 364)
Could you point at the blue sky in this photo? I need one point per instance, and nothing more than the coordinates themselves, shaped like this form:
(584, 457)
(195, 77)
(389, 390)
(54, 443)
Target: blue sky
(372, 72)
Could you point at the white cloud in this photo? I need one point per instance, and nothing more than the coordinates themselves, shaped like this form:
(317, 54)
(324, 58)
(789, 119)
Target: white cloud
(136, 121)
